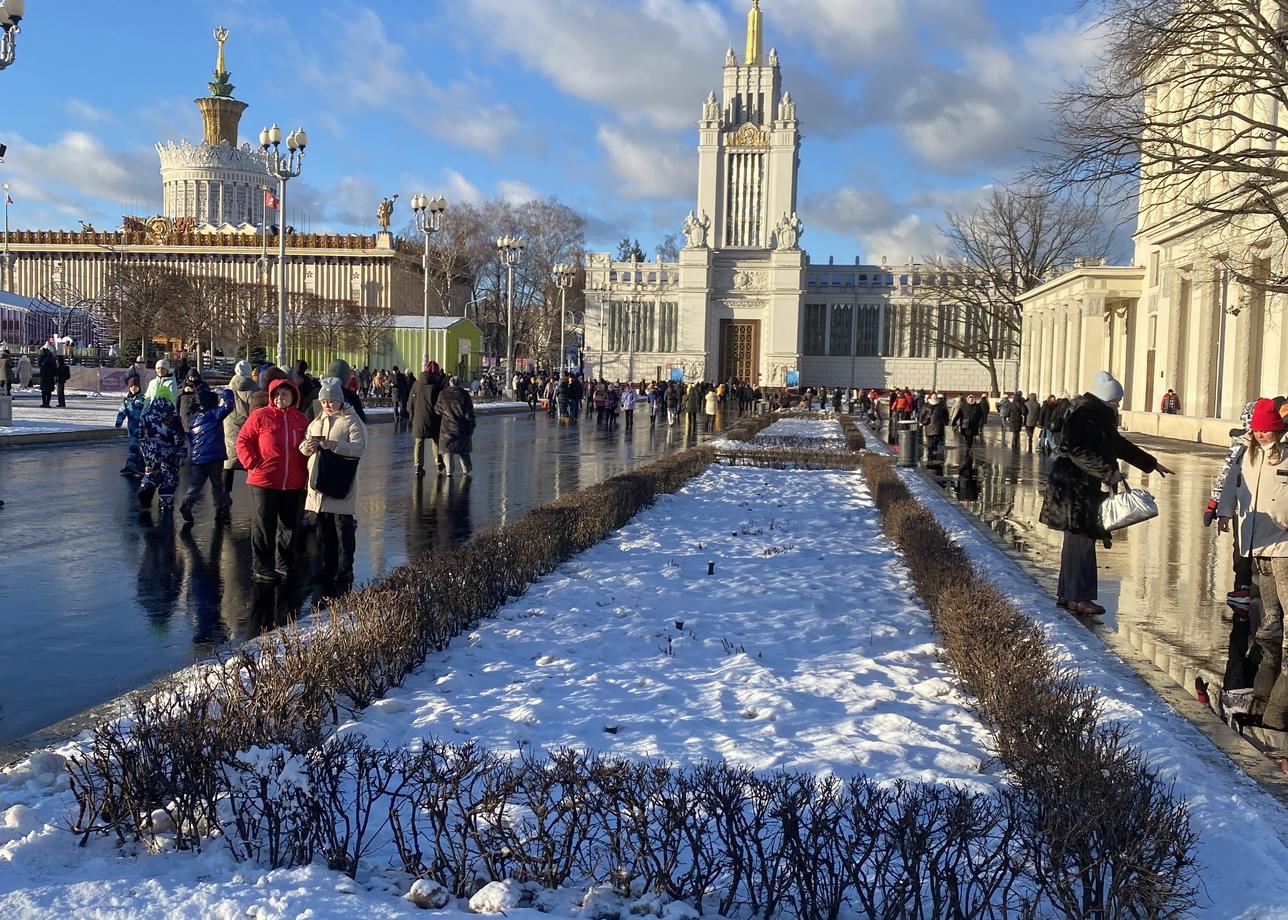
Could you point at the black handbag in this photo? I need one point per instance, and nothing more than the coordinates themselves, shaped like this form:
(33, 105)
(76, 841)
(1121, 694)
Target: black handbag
(335, 474)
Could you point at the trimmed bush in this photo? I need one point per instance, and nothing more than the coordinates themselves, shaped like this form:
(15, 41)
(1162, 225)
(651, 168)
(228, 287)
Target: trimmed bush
(1104, 835)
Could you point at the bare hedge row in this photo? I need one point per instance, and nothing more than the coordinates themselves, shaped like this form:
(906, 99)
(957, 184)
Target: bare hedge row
(721, 838)
(1116, 841)
(289, 689)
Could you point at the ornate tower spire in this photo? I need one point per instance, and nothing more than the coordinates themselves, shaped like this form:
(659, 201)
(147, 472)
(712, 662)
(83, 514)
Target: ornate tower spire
(220, 85)
(755, 36)
(220, 112)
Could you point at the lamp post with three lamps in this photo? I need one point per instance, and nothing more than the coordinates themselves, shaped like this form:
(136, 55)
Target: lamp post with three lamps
(429, 220)
(565, 277)
(282, 167)
(511, 249)
(11, 13)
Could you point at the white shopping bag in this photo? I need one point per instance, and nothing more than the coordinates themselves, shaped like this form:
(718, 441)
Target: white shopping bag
(1130, 506)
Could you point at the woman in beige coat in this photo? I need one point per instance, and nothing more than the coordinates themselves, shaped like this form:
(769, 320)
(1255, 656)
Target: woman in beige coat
(1257, 491)
(334, 444)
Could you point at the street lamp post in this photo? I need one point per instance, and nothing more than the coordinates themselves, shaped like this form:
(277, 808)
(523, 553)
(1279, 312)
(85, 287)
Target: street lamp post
(429, 220)
(11, 13)
(511, 249)
(565, 277)
(282, 167)
(6, 281)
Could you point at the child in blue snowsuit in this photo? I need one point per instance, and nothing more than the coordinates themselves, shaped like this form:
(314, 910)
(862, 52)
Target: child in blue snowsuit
(131, 411)
(204, 423)
(162, 444)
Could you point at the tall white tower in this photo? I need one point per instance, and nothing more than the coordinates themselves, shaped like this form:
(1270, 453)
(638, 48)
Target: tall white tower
(748, 148)
(215, 182)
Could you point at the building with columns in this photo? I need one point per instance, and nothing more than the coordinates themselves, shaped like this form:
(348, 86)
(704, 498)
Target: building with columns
(744, 301)
(213, 224)
(1180, 318)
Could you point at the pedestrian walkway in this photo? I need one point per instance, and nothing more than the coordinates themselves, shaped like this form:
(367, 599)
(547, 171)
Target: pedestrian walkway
(1162, 584)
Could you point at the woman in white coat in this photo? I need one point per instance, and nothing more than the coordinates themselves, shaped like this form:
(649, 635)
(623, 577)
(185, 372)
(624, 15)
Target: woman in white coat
(1256, 490)
(334, 444)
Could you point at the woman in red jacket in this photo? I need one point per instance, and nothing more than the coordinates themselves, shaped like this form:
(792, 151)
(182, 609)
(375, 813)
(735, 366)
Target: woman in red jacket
(268, 445)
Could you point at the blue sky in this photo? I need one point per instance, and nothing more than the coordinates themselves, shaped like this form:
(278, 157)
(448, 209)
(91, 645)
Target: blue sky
(908, 107)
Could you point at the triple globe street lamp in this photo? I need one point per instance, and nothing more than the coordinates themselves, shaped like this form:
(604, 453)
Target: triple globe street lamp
(565, 276)
(11, 13)
(429, 220)
(511, 250)
(283, 167)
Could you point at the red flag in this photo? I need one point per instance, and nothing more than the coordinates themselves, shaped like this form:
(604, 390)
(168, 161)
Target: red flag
(270, 200)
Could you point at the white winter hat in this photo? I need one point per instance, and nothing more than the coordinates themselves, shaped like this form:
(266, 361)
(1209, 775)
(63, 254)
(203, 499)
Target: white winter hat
(163, 365)
(332, 389)
(1106, 388)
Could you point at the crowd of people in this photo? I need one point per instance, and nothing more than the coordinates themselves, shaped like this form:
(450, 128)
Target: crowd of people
(298, 439)
(572, 397)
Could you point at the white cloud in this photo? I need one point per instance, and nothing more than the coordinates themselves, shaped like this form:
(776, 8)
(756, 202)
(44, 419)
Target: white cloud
(78, 176)
(649, 165)
(370, 71)
(884, 226)
(653, 60)
(458, 188)
(83, 111)
(516, 192)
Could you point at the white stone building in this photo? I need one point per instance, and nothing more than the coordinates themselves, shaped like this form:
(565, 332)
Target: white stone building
(744, 301)
(1179, 318)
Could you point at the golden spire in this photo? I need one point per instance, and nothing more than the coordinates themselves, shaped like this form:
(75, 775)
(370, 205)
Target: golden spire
(755, 36)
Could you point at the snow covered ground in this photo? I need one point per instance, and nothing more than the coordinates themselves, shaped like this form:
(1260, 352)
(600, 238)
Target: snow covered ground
(805, 649)
(791, 434)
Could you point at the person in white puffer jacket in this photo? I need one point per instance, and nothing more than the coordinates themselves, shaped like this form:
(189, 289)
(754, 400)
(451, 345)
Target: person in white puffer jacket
(1256, 490)
(629, 398)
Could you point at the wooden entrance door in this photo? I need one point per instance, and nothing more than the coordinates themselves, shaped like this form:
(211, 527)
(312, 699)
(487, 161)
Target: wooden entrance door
(740, 350)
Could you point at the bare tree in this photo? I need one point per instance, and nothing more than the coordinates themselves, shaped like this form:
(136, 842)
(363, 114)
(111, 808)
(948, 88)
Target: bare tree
(332, 324)
(1019, 238)
(203, 302)
(1187, 107)
(372, 332)
(249, 307)
(146, 295)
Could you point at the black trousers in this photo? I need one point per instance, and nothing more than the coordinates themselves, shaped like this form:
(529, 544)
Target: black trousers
(338, 537)
(1078, 569)
(274, 519)
(933, 442)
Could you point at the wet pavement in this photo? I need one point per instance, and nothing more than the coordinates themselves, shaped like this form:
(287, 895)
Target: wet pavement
(1163, 583)
(97, 599)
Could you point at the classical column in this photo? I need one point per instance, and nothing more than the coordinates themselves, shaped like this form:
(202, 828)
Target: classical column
(1208, 334)
(1026, 352)
(1048, 385)
(1073, 367)
(1061, 319)
(1174, 360)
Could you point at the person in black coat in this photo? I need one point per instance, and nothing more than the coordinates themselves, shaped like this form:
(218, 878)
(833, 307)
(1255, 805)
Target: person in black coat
(1032, 412)
(48, 375)
(425, 420)
(63, 373)
(970, 421)
(933, 420)
(1088, 457)
(1015, 419)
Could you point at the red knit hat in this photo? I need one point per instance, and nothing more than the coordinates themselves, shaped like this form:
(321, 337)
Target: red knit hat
(1265, 417)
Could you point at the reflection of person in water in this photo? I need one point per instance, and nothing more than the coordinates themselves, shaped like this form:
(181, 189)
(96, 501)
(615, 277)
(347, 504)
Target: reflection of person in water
(967, 481)
(440, 515)
(160, 580)
(204, 584)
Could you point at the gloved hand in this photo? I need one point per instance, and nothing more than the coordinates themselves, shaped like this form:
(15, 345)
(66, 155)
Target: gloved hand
(1209, 513)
